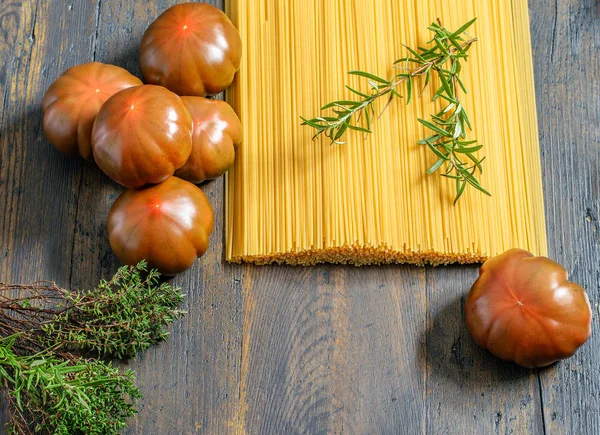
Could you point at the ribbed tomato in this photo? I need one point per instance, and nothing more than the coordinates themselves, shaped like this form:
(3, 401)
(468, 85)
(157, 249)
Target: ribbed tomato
(72, 102)
(142, 135)
(192, 49)
(168, 224)
(216, 136)
(523, 309)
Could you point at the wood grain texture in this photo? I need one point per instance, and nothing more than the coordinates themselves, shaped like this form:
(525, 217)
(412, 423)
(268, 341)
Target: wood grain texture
(328, 349)
(333, 349)
(566, 46)
(38, 185)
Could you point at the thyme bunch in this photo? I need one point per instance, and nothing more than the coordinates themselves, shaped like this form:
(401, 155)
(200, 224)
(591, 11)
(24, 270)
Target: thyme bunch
(442, 60)
(118, 318)
(45, 333)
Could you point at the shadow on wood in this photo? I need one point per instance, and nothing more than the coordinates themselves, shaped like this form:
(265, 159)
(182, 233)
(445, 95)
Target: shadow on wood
(456, 356)
(128, 57)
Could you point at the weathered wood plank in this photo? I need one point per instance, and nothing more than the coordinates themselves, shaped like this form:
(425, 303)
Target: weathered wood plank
(190, 382)
(566, 38)
(38, 185)
(469, 390)
(333, 349)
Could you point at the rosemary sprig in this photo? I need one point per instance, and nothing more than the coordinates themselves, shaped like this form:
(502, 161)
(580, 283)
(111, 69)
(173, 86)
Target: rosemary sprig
(449, 127)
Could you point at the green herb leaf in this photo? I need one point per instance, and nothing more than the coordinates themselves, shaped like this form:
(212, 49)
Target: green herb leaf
(434, 127)
(462, 29)
(360, 94)
(369, 76)
(435, 166)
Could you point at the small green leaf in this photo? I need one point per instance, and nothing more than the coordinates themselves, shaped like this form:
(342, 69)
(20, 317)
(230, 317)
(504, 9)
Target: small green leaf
(340, 132)
(476, 161)
(457, 130)
(445, 85)
(460, 82)
(436, 166)
(457, 45)
(312, 123)
(407, 59)
(341, 104)
(368, 76)
(463, 28)
(473, 182)
(414, 53)
(460, 189)
(454, 177)
(440, 45)
(441, 121)
(374, 85)
(431, 139)
(408, 90)
(437, 152)
(358, 128)
(465, 119)
(434, 127)
(357, 92)
(447, 98)
(467, 150)
(428, 76)
(449, 108)
(368, 119)
(326, 119)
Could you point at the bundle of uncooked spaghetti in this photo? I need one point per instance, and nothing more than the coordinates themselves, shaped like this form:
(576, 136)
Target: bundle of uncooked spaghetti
(294, 200)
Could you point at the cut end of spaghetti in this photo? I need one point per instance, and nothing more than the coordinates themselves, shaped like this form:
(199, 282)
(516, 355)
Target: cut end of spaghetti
(357, 255)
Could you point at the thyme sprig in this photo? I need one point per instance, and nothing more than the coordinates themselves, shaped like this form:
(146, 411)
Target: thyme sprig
(50, 395)
(443, 60)
(118, 318)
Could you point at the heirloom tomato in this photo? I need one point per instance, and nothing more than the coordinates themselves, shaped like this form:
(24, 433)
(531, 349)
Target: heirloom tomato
(524, 309)
(168, 225)
(216, 135)
(142, 135)
(192, 49)
(72, 102)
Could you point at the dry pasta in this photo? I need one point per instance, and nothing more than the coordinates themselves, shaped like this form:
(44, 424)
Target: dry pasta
(294, 200)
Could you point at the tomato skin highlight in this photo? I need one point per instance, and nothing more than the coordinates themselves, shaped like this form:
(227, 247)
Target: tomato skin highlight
(191, 49)
(216, 137)
(168, 225)
(142, 135)
(73, 101)
(523, 309)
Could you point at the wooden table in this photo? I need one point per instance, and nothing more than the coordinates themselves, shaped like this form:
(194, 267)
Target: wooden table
(266, 350)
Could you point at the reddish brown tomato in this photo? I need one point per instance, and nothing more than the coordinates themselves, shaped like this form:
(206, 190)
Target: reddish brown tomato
(215, 139)
(168, 225)
(142, 135)
(72, 102)
(523, 309)
(192, 49)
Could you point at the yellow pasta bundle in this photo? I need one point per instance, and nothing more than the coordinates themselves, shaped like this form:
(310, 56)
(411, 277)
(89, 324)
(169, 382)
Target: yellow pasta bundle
(293, 200)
